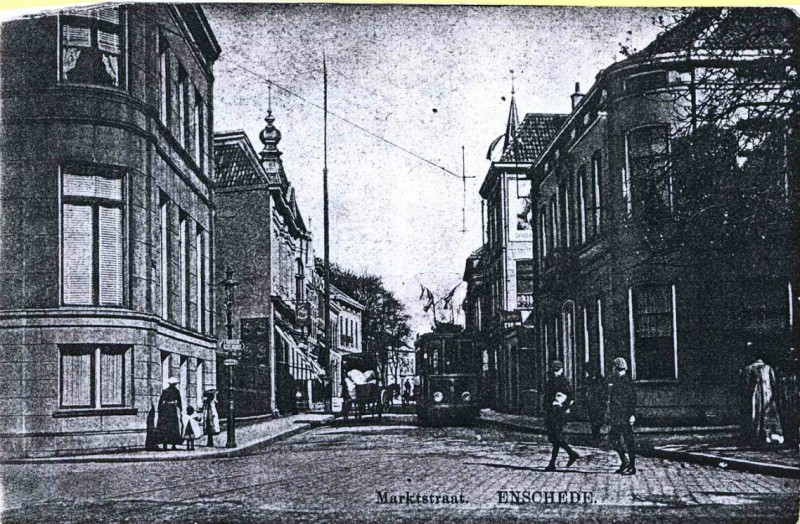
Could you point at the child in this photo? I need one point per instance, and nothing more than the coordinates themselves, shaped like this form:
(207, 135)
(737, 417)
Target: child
(192, 430)
(556, 417)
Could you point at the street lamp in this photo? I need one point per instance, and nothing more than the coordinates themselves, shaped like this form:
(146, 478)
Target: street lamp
(230, 351)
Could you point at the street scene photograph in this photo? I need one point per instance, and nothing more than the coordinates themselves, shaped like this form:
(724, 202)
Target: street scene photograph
(326, 262)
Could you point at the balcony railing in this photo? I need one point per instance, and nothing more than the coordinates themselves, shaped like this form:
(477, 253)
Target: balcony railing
(525, 300)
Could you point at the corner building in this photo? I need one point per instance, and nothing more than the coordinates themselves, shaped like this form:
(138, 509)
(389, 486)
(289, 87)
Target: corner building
(106, 237)
(682, 324)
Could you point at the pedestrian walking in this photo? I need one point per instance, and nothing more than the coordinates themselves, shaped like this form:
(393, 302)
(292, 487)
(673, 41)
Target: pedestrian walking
(596, 398)
(168, 427)
(210, 416)
(406, 392)
(764, 423)
(556, 416)
(192, 425)
(621, 409)
(556, 411)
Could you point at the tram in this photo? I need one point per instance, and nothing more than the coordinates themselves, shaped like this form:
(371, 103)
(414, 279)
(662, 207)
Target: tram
(449, 367)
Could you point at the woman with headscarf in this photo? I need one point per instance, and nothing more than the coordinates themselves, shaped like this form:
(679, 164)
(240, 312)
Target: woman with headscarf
(168, 428)
(210, 416)
(765, 425)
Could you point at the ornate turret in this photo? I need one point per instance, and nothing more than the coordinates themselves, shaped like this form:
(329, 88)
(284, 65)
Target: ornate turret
(271, 155)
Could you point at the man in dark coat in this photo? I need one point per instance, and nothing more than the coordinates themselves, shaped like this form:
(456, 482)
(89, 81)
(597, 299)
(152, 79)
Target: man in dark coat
(168, 428)
(556, 415)
(621, 408)
(596, 398)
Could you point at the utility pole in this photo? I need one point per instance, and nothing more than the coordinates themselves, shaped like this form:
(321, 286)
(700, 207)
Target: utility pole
(326, 240)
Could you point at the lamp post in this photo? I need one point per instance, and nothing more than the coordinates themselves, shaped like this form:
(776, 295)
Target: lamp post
(230, 351)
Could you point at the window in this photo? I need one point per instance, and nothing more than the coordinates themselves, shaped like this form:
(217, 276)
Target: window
(542, 234)
(596, 174)
(200, 280)
(555, 229)
(199, 132)
(647, 161)
(165, 369)
(94, 376)
(92, 237)
(183, 251)
(653, 332)
(164, 266)
(525, 279)
(164, 93)
(563, 197)
(199, 378)
(181, 117)
(93, 46)
(646, 81)
(583, 202)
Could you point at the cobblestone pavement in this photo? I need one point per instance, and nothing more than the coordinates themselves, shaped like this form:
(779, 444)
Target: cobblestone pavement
(341, 474)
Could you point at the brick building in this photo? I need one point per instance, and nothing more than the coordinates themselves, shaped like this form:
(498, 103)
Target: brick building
(106, 237)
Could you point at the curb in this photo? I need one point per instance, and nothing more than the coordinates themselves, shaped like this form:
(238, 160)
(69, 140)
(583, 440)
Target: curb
(221, 453)
(706, 459)
(703, 459)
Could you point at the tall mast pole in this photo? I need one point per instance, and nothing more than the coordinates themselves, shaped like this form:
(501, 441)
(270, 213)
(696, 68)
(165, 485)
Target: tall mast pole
(326, 227)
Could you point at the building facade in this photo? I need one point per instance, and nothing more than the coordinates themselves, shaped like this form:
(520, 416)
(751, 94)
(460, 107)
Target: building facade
(628, 262)
(106, 237)
(500, 275)
(262, 239)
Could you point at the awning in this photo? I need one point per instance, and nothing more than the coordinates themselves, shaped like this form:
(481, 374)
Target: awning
(301, 366)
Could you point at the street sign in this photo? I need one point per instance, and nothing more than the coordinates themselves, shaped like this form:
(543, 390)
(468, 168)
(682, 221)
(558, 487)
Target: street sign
(304, 314)
(234, 345)
(230, 362)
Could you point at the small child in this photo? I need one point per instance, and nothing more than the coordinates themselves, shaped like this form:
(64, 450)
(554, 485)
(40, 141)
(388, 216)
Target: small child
(192, 430)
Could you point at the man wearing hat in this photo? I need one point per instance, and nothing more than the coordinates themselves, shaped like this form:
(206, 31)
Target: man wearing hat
(168, 427)
(558, 384)
(621, 408)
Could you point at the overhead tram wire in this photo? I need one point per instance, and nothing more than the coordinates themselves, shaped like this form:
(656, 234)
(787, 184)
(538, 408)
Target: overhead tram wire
(343, 119)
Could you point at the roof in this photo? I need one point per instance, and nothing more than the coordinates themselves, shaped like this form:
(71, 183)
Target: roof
(533, 134)
(338, 294)
(728, 29)
(235, 161)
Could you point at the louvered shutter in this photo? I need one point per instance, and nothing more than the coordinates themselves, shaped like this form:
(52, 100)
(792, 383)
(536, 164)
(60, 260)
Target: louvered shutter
(110, 256)
(76, 380)
(77, 252)
(112, 375)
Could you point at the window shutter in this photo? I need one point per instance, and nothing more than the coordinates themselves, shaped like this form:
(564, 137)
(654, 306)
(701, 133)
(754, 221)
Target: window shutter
(76, 380)
(77, 252)
(112, 376)
(110, 256)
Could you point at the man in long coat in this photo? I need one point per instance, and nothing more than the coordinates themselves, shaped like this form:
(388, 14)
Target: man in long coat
(168, 428)
(764, 424)
(621, 415)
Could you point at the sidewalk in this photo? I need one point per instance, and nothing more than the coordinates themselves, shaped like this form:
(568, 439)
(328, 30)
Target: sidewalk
(249, 435)
(717, 446)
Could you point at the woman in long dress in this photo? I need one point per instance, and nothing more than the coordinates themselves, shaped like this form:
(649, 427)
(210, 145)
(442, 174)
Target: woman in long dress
(765, 424)
(168, 428)
(210, 416)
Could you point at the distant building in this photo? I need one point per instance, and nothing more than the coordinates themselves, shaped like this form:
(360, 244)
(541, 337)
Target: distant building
(106, 259)
(347, 338)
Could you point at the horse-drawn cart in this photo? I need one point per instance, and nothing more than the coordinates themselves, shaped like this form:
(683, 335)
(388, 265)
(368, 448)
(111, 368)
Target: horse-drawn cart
(364, 393)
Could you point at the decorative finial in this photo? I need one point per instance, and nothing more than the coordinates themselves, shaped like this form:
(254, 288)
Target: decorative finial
(512, 82)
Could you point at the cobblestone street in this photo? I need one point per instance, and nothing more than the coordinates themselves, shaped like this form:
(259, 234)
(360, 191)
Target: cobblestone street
(342, 474)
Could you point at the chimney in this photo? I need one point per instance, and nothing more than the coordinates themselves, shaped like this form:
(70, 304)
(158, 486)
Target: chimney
(576, 96)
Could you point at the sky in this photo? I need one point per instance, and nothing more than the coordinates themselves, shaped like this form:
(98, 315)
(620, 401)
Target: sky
(428, 79)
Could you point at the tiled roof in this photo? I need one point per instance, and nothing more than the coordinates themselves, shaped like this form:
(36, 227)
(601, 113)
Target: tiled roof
(533, 135)
(728, 29)
(235, 162)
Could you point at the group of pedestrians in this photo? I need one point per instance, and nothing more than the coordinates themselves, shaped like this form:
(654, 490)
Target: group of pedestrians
(174, 426)
(616, 397)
